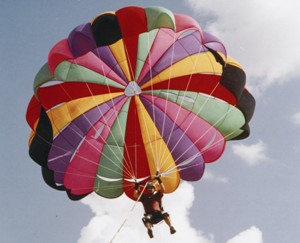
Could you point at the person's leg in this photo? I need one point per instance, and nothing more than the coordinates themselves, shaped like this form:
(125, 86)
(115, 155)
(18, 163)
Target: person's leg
(148, 225)
(168, 222)
(149, 230)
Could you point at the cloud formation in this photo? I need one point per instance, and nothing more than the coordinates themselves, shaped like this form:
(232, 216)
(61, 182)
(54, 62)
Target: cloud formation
(296, 118)
(110, 215)
(251, 154)
(211, 176)
(251, 235)
(262, 35)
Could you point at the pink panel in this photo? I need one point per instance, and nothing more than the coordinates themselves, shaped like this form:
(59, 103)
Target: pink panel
(163, 40)
(92, 62)
(184, 22)
(206, 138)
(59, 53)
(82, 170)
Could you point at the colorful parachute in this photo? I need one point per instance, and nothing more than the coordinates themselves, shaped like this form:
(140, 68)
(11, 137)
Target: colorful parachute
(135, 92)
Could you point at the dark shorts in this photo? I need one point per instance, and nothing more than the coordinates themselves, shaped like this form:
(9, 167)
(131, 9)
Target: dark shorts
(154, 217)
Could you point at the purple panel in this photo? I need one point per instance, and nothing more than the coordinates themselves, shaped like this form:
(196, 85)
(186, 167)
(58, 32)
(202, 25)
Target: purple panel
(105, 54)
(182, 48)
(65, 143)
(81, 40)
(192, 44)
(204, 136)
(214, 43)
(181, 147)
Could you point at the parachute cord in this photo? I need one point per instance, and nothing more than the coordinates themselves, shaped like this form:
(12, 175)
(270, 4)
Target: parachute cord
(129, 214)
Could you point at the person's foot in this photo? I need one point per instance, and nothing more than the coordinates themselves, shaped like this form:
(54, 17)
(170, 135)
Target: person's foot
(150, 233)
(172, 230)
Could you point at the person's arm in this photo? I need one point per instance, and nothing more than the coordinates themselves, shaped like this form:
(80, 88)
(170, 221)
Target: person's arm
(136, 192)
(161, 184)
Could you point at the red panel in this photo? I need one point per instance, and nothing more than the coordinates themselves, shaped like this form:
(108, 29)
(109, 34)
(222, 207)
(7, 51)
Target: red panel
(56, 94)
(59, 53)
(132, 21)
(131, 44)
(135, 159)
(33, 112)
(202, 83)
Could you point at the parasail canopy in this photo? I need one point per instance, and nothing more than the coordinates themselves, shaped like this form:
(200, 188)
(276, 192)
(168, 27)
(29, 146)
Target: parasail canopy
(133, 93)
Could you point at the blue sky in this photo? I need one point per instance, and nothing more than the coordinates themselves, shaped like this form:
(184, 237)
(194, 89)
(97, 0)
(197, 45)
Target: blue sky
(251, 195)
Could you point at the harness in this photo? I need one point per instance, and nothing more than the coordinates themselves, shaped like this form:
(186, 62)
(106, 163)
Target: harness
(155, 216)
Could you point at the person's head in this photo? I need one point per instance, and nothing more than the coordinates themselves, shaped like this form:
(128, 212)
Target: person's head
(150, 187)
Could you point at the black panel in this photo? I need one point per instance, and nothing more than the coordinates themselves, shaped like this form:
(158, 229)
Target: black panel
(234, 79)
(48, 176)
(246, 104)
(76, 197)
(244, 134)
(217, 56)
(106, 30)
(41, 143)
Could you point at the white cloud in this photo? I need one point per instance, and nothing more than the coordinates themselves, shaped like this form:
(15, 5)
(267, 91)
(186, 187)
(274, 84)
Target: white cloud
(211, 176)
(251, 235)
(262, 35)
(251, 154)
(296, 118)
(111, 214)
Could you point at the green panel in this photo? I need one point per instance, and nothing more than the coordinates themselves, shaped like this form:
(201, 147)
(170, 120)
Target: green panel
(43, 76)
(223, 116)
(234, 134)
(159, 17)
(111, 161)
(144, 46)
(67, 71)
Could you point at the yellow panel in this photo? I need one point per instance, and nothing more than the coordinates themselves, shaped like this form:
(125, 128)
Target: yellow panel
(199, 63)
(33, 132)
(65, 113)
(158, 154)
(119, 53)
(31, 137)
(230, 60)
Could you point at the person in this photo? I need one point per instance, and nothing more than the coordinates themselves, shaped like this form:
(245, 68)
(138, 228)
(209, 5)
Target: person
(152, 202)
